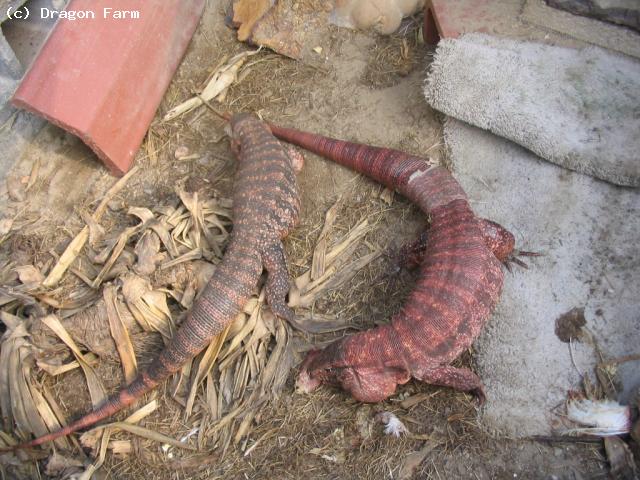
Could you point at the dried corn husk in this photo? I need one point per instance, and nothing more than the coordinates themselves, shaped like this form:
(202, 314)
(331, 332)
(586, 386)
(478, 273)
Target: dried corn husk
(76, 245)
(120, 334)
(148, 306)
(115, 254)
(205, 364)
(221, 79)
(307, 290)
(319, 252)
(29, 275)
(20, 400)
(147, 252)
(96, 390)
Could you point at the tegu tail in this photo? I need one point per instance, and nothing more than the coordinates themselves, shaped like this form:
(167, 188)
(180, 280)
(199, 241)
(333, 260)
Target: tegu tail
(390, 167)
(125, 397)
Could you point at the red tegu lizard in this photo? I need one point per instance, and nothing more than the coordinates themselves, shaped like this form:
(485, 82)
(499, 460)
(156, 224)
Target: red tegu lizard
(265, 209)
(458, 286)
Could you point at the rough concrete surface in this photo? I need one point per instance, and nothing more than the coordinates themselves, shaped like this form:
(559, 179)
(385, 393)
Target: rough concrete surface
(16, 128)
(7, 6)
(589, 30)
(588, 231)
(26, 36)
(622, 12)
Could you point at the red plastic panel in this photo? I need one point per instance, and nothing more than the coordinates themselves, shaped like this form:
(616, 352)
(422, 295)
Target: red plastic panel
(102, 77)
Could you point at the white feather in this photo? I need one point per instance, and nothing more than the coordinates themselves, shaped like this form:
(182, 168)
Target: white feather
(393, 425)
(606, 416)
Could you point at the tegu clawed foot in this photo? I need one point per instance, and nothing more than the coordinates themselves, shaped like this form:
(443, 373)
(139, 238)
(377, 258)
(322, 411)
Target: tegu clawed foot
(513, 258)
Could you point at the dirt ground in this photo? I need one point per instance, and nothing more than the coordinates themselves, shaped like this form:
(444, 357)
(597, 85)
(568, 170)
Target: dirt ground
(361, 87)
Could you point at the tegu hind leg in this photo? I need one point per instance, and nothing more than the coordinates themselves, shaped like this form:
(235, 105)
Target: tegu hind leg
(461, 379)
(277, 288)
(411, 253)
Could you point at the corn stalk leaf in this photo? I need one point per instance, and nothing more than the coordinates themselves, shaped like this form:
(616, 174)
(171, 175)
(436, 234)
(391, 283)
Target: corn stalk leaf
(120, 334)
(96, 390)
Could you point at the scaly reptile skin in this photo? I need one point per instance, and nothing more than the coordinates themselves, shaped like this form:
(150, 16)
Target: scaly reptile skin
(458, 286)
(265, 209)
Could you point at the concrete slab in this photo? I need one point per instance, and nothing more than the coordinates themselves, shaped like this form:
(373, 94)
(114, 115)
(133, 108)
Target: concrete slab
(27, 35)
(102, 77)
(10, 72)
(588, 231)
(7, 6)
(525, 19)
(606, 35)
(16, 128)
(621, 12)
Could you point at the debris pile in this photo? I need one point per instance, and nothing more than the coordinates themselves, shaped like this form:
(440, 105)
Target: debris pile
(118, 295)
(594, 412)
